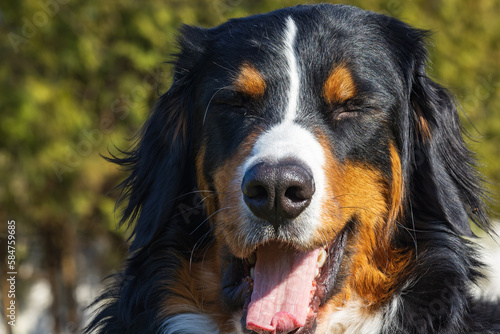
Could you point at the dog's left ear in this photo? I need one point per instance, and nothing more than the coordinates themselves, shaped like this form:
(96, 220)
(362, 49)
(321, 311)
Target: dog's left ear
(446, 184)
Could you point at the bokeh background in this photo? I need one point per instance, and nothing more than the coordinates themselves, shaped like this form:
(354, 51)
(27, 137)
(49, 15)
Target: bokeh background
(77, 79)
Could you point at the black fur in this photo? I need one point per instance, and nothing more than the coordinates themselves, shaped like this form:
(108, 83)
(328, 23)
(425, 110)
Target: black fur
(442, 187)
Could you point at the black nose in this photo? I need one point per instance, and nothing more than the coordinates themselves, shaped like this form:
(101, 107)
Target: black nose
(279, 191)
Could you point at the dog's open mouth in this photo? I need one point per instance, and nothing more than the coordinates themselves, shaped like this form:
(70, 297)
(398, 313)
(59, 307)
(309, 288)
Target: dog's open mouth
(290, 285)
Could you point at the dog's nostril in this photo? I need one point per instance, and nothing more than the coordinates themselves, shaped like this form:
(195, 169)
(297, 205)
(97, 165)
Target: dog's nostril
(293, 193)
(255, 191)
(296, 194)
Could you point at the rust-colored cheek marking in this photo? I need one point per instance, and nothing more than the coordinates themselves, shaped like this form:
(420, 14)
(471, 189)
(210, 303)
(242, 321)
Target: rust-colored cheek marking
(376, 265)
(228, 219)
(339, 86)
(209, 198)
(333, 217)
(250, 81)
(362, 192)
(359, 191)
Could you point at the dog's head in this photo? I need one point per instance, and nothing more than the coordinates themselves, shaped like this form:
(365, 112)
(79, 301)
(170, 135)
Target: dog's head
(317, 142)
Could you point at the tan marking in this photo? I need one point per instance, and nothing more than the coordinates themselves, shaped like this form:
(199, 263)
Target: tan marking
(250, 81)
(339, 86)
(195, 287)
(332, 216)
(376, 265)
(423, 128)
(397, 186)
(227, 183)
(205, 192)
(359, 191)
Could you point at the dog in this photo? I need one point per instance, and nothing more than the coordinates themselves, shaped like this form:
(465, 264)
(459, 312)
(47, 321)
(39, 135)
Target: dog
(303, 174)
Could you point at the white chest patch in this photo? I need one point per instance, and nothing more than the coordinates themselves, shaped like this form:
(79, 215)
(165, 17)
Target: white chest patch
(189, 323)
(354, 319)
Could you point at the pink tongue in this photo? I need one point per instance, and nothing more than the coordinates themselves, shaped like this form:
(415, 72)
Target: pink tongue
(282, 291)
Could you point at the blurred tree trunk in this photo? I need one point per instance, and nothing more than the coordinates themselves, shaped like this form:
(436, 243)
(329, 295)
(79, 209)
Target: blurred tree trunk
(69, 275)
(52, 258)
(59, 248)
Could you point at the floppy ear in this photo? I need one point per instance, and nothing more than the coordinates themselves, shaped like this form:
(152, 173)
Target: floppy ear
(446, 185)
(159, 164)
(441, 181)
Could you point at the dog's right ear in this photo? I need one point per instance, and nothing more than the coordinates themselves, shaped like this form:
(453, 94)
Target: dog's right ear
(159, 162)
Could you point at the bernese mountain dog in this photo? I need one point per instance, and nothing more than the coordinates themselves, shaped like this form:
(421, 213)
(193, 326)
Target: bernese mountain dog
(303, 174)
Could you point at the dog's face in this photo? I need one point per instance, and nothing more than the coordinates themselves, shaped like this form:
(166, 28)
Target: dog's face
(320, 148)
(297, 133)
(296, 147)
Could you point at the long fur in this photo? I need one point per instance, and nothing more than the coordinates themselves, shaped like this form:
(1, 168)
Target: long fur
(443, 192)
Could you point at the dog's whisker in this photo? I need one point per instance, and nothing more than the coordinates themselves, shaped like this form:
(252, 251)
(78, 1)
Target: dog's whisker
(192, 193)
(206, 219)
(210, 102)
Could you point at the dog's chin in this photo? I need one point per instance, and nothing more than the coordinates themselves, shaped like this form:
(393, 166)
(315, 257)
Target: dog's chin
(275, 269)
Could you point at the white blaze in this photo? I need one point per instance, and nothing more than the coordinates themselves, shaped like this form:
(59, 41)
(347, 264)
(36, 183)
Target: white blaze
(289, 140)
(293, 71)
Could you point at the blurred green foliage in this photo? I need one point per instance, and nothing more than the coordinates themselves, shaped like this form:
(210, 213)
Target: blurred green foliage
(77, 78)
